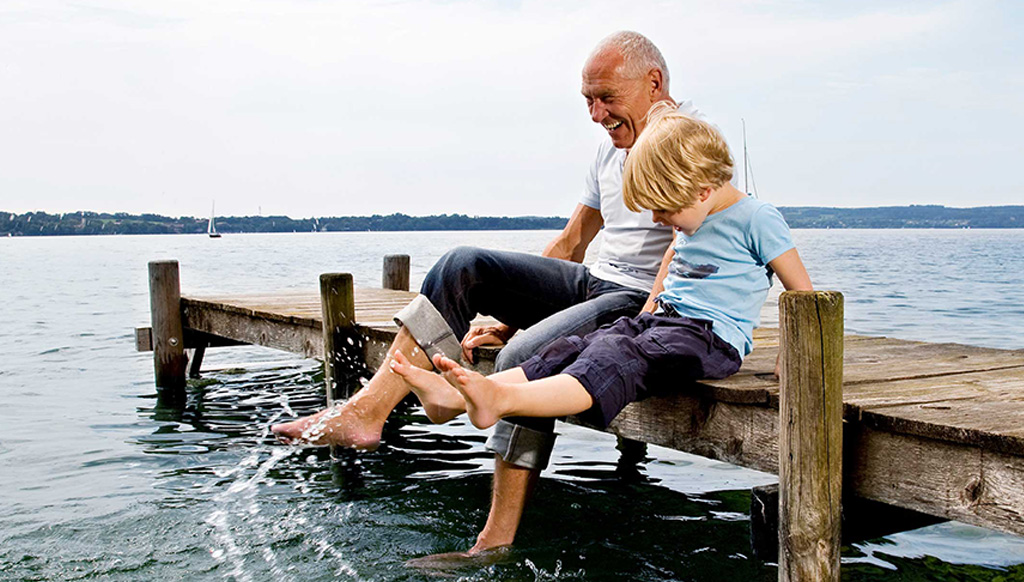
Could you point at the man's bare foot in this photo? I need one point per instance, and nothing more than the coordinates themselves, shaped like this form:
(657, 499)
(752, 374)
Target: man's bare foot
(483, 396)
(440, 401)
(456, 560)
(342, 425)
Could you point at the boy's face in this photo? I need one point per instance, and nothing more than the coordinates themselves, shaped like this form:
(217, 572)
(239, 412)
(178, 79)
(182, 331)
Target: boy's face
(686, 220)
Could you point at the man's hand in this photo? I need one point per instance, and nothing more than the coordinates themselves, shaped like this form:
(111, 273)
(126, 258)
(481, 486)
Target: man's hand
(488, 335)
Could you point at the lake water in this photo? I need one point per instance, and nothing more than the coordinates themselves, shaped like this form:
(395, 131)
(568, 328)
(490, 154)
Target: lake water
(99, 481)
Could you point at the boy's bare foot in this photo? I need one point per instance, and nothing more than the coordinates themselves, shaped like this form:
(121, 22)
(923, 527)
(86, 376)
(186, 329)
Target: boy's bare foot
(483, 396)
(342, 425)
(440, 401)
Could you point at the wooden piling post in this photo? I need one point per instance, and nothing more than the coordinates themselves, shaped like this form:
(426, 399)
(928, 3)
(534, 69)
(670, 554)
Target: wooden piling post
(396, 272)
(169, 360)
(337, 303)
(810, 435)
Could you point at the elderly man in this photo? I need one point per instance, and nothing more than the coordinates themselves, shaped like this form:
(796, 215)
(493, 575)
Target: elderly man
(545, 297)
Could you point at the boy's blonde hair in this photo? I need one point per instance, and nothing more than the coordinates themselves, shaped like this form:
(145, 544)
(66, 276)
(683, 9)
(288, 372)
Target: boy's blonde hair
(675, 158)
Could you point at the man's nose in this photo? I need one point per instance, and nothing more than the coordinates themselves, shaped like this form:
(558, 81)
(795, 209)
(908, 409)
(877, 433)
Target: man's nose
(597, 111)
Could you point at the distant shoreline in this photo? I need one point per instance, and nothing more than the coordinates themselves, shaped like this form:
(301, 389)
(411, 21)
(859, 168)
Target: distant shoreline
(95, 223)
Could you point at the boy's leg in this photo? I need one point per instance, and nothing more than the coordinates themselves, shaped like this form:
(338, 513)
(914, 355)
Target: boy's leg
(488, 400)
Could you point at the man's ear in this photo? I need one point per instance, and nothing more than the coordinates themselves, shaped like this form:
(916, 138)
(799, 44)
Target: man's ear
(655, 84)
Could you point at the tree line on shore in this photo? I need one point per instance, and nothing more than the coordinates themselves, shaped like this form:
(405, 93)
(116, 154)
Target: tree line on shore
(81, 223)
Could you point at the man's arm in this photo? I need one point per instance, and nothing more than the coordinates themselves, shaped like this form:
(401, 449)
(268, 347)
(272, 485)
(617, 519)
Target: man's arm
(570, 245)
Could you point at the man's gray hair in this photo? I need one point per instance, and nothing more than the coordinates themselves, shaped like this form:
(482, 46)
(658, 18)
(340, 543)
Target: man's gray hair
(638, 52)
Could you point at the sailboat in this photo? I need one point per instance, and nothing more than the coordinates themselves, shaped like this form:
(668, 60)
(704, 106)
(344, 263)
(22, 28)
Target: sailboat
(211, 228)
(747, 168)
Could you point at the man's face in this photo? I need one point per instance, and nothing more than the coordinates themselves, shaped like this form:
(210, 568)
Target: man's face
(619, 104)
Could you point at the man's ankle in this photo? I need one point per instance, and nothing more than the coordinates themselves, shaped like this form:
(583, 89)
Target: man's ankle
(486, 541)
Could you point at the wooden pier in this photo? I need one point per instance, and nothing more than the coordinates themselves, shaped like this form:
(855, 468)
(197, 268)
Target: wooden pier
(936, 429)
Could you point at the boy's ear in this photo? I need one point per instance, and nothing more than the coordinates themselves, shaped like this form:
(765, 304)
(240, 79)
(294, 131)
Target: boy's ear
(706, 193)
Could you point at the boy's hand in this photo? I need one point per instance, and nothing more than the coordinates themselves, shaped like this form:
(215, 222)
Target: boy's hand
(488, 335)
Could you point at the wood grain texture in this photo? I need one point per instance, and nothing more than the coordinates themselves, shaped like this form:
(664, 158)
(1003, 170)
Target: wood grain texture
(810, 435)
(168, 338)
(396, 272)
(337, 305)
(950, 480)
(292, 335)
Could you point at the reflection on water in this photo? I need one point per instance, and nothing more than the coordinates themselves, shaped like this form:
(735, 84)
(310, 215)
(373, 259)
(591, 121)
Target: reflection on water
(101, 480)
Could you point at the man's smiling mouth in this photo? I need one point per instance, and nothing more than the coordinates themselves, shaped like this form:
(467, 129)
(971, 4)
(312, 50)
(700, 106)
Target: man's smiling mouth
(613, 125)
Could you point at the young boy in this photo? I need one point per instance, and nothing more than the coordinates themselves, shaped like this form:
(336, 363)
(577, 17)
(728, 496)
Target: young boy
(699, 320)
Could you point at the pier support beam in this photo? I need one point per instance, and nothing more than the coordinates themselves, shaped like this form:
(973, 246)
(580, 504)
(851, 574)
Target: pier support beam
(863, 520)
(810, 435)
(343, 358)
(169, 360)
(396, 272)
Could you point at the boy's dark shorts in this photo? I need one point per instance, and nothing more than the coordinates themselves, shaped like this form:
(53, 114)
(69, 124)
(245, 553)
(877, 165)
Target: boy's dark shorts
(635, 358)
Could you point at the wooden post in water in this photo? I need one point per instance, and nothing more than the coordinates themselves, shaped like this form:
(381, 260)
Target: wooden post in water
(810, 435)
(396, 272)
(169, 360)
(337, 303)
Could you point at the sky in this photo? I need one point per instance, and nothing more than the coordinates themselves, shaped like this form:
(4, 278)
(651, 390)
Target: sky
(331, 108)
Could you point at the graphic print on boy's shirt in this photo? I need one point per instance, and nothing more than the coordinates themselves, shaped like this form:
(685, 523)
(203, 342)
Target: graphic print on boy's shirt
(681, 268)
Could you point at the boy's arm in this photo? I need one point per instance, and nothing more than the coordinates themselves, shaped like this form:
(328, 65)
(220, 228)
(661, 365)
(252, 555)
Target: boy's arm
(790, 270)
(659, 281)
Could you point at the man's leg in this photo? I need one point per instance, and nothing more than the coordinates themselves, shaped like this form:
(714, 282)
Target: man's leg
(522, 446)
(511, 489)
(518, 288)
(358, 422)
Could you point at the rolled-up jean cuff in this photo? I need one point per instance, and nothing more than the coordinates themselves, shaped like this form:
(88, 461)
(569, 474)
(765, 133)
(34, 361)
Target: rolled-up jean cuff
(429, 329)
(521, 446)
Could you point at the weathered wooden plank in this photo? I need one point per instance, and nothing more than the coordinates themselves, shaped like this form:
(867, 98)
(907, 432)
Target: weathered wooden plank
(143, 339)
(950, 480)
(984, 409)
(291, 335)
(741, 434)
(878, 465)
(193, 339)
(1003, 385)
(868, 360)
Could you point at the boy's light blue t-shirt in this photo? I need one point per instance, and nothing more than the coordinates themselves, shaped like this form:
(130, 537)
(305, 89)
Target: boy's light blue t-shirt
(721, 274)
